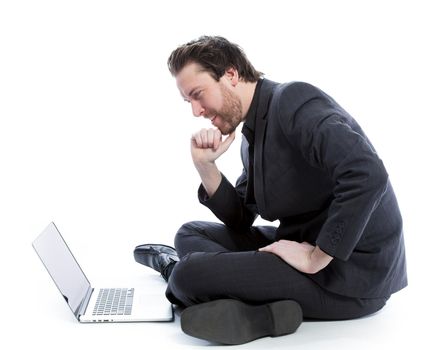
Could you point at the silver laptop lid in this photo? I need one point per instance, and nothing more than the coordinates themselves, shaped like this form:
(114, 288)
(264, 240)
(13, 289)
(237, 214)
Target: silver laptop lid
(62, 267)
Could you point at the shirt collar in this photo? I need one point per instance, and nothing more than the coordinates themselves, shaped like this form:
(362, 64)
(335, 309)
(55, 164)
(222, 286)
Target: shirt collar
(250, 120)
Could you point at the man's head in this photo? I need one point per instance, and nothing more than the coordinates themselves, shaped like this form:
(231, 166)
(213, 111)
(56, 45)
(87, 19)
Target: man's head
(213, 75)
(215, 55)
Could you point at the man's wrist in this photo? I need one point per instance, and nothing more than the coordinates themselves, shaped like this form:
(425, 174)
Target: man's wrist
(318, 260)
(204, 166)
(210, 176)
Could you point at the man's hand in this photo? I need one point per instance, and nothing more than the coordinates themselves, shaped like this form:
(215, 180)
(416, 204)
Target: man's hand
(207, 145)
(302, 256)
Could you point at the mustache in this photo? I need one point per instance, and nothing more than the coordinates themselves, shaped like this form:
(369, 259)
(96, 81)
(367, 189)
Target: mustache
(211, 114)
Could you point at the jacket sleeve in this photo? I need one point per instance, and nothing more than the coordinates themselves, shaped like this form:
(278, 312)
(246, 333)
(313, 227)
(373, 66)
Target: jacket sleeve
(329, 139)
(227, 203)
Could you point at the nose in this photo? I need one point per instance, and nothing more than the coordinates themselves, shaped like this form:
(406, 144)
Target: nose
(197, 109)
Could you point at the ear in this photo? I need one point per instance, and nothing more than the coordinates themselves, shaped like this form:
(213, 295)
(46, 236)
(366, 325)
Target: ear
(232, 75)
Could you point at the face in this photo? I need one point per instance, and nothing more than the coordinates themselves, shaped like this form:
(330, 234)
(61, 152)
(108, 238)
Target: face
(211, 99)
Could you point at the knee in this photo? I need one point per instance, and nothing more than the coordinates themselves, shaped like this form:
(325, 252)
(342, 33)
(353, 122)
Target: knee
(183, 280)
(185, 232)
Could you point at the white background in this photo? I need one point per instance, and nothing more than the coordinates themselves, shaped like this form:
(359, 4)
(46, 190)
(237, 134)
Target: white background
(95, 136)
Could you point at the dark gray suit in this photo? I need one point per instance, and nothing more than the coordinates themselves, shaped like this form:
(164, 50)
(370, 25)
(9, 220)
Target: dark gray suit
(308, 164)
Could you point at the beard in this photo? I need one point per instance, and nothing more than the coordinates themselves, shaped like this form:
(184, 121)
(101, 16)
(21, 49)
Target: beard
(230, 115)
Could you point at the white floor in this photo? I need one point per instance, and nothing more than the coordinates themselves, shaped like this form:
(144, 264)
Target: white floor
(44, 321)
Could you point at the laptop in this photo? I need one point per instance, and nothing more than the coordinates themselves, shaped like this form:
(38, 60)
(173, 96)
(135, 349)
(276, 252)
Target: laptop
(95, 304)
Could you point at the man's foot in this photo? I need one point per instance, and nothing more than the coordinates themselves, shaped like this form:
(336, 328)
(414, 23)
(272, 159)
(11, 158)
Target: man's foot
(159, 257)
(229, 321)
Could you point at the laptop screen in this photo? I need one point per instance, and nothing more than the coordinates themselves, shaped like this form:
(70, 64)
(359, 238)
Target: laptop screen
(62, 267)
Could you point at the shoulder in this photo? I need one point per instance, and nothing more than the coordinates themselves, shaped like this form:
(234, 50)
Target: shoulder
(300, 106)
(302, 98)
(295, 94)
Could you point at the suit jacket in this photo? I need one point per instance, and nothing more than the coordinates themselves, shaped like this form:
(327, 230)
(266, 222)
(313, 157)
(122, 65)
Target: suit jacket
(317, 173)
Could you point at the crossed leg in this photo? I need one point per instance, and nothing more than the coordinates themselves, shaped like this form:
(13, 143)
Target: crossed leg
(219, 263)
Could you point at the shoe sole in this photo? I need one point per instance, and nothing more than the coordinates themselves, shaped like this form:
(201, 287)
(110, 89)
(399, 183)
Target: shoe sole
(233, 322)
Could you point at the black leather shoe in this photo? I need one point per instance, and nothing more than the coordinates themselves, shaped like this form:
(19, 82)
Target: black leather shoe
(159, 257)
(233, 322)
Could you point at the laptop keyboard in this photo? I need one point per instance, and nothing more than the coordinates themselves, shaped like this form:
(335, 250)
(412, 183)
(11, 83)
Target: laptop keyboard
(114, 301)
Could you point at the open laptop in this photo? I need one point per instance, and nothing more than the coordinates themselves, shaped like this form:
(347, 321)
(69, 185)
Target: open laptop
(95, 304)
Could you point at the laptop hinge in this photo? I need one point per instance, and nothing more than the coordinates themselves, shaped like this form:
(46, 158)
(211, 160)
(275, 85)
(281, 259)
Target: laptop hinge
(85, 302)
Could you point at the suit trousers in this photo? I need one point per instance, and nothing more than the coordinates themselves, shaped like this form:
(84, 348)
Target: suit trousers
(217, 262)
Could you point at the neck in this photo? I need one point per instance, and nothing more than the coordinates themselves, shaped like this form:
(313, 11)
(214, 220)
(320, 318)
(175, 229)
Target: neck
(247, 95)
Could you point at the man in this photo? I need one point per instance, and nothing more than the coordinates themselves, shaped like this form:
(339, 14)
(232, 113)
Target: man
(338, 252)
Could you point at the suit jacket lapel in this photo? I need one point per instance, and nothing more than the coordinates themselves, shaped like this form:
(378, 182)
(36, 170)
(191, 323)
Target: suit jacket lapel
(266, 94)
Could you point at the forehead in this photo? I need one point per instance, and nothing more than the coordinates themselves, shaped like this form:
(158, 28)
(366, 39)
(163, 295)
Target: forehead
(192, 77)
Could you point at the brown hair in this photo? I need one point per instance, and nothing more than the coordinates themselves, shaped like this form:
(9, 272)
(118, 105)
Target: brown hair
(215, 55)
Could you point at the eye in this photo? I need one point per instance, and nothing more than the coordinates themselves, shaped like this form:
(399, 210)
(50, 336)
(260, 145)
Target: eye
(196, 95)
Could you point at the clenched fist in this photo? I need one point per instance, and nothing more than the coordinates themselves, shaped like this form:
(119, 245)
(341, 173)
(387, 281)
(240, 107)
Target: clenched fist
(207, 145)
